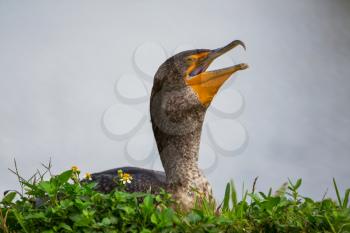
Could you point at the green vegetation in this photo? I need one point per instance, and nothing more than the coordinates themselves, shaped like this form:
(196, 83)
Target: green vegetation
(64, 204)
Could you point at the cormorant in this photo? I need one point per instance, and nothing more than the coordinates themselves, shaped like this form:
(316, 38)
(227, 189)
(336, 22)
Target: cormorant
(182, 92)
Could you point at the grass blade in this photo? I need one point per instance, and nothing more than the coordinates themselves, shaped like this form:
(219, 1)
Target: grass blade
(233, 195)
(337, 192)
(226, 206)
(297, 184)
(330, 224)
(346, 198)
(270, 192)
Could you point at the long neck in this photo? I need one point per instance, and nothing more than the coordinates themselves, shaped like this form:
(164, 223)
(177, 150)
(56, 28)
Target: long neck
(180, 158)
(180, 162)
(177, 129)
(177, 120)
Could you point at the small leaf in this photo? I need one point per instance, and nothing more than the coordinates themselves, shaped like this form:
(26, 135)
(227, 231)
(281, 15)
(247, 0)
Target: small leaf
(106, 221)
(128, 209)
(47, 187)
(148, 201)
(147, 204)
(39, 215)
(154, 219)
(166, 217)
(48, 231)
(65, 227)
(194, 217)
(9, 198)
(80, 220)
(64, 177)
(146, 231)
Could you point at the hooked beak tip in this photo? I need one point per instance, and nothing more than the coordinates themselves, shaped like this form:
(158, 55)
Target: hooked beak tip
(239, 42)
(218, 52)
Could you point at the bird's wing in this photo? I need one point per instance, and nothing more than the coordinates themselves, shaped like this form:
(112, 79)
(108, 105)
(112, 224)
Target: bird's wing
(143, 180)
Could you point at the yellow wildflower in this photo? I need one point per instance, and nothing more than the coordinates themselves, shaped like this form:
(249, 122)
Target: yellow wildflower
(124, 177)
(75, 169)
(88, 176)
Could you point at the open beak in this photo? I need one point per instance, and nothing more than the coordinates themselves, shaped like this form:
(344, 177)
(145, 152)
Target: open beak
(207, 83)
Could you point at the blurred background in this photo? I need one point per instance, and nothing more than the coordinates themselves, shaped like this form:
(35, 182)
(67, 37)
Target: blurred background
(75, 78)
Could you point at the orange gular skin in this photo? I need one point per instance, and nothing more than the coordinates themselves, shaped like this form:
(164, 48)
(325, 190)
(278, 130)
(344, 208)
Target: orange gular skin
(199, 55)
(207, 84)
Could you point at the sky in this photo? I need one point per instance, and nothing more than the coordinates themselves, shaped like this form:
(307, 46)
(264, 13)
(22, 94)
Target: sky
(75, 79)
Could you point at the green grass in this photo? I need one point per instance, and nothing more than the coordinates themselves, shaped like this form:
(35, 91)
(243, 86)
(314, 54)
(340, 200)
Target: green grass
(63, 204)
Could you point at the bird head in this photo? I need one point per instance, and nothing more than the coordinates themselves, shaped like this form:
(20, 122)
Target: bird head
(205, 84)
(189, 69)
(183, 88)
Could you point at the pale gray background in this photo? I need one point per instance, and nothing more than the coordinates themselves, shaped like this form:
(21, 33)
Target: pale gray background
(59, 61)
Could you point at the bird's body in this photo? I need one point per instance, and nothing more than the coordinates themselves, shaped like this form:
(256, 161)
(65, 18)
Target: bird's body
(143, 180)
(182, 92)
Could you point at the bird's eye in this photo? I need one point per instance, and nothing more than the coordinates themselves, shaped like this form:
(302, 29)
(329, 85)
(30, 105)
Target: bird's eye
(190, 59)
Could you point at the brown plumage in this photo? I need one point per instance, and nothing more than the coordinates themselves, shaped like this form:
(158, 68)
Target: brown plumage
(181, 94)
